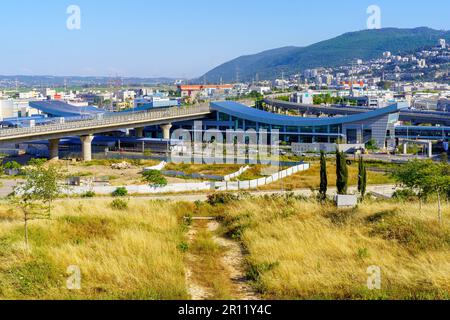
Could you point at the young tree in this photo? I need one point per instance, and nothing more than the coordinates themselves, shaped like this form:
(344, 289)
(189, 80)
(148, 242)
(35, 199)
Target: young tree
(425, 178)
(341, 173)
(36, 195)
(362, 177)
(412, 175)
(42, 181)
(437, 180)
(323, 176)
(31, 210)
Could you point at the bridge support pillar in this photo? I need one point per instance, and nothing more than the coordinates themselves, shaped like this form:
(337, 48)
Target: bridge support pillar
(54, 149)
(139, 132)
(430, 150)
(166, 131)
(86, 147)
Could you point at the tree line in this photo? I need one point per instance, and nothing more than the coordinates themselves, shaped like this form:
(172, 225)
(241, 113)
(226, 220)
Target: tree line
(419, 178)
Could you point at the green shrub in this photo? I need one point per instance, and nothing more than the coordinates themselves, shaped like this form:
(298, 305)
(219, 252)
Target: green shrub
(221, 198)
(380, 216)
(12, 165)
(255, 271)
(363, 253)
(183, 247)
(405, 195)
(414, 234)
(119, 204)
(155, 178)
(120, 192)
(37, 162)
(89, 194)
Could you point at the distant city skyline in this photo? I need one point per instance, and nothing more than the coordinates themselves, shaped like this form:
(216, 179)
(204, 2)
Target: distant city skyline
(180, 39)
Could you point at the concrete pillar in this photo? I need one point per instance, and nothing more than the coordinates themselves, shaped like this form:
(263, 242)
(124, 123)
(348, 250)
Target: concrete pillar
(86, 147)
(166, 130)
(405, 148)
(54, 149)
(139, 132)
(430, 150)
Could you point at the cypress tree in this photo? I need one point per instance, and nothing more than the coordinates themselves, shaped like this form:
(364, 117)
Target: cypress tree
(341, 173)
(323, 176)
(362, 177)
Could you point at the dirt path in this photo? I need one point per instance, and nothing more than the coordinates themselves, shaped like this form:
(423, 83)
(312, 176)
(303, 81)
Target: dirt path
(195, 289)
(233, 260)
(227, 266)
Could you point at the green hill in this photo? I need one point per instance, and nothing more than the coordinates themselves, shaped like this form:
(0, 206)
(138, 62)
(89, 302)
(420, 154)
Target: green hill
(343, 49)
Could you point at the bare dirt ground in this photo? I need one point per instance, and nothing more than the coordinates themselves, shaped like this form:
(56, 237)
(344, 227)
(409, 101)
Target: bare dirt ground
(131, 176)
(232, 262)
(195, 290)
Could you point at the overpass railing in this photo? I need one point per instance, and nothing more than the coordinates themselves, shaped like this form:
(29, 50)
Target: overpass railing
(102, 120)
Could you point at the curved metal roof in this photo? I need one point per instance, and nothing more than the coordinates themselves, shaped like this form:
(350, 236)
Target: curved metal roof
(243, 112)
(61, 109)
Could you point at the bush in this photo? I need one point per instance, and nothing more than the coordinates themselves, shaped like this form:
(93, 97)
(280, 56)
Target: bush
(221, 198)
(37, 162)
(255, 271)
(120, 192)
(155, 178)
(183, 247)
(119, 204)
(89, 194)
(405, 195)
(12, 165)
(372, 145)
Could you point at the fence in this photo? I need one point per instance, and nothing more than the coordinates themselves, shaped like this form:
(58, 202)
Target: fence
(159, 167)
(236, 174)
(201, 176)
(193, 187)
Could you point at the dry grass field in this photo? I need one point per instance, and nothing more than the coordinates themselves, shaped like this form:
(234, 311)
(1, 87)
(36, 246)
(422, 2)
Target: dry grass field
(215, 169)
(295, 249)
(122, 254)
(301, 250)
(309, 179)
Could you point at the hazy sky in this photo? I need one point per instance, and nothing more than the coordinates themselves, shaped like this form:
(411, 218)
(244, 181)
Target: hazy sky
(180, 38)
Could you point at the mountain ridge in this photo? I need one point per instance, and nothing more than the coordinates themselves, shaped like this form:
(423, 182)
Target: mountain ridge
(364, 44)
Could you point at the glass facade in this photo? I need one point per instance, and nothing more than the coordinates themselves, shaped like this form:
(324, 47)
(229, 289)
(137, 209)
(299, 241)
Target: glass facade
(425, 132)
(345, 132)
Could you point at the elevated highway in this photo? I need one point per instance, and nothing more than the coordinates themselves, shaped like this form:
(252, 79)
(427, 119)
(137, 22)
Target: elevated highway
(415, 117)
(86, 128)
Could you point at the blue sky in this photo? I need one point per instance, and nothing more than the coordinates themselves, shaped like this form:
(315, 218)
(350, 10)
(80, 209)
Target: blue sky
(181, 38)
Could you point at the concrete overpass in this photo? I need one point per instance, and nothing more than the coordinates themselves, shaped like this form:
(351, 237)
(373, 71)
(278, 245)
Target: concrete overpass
(416, 117)
(86, 129)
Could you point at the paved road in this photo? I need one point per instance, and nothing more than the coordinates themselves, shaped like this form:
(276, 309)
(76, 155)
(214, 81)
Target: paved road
(7, 187)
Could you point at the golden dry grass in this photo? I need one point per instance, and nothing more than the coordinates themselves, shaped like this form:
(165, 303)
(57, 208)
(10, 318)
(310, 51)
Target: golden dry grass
(301, 250)
(215, 169)
(309, 179)
(297, 249)
(129, 254)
